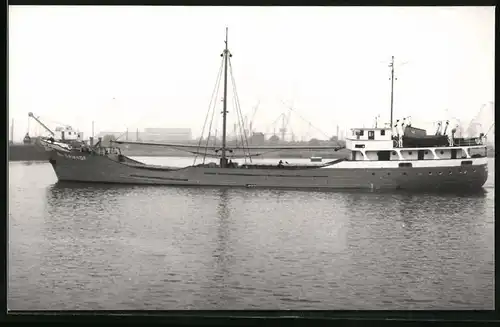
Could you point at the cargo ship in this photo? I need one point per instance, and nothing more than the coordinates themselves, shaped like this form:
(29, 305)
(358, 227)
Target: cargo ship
(393, 157)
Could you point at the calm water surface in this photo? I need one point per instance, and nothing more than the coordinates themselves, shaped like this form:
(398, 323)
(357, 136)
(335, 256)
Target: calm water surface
(75, 246)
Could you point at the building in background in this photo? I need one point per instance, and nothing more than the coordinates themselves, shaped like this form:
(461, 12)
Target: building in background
(257, 138)
(166, 134)
(152, 134)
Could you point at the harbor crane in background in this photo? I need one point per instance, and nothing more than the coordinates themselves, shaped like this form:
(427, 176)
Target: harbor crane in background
(285, 119)
(249, 123)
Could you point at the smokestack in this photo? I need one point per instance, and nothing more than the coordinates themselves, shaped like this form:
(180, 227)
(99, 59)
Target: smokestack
(338, 136)
(126, 135)
(137, 135)
(91, 141)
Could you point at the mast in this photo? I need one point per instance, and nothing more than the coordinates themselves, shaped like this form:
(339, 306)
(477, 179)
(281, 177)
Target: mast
(224, 107)
(392, 86)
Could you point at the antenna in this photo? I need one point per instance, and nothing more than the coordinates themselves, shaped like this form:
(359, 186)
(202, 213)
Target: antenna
(391, 65)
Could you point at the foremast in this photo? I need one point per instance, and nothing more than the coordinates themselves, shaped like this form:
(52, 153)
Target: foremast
(226, 54)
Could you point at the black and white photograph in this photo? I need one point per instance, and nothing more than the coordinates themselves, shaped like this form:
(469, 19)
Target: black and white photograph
(251, 158)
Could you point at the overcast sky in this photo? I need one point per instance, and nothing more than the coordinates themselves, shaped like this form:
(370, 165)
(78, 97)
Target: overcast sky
(155, 66)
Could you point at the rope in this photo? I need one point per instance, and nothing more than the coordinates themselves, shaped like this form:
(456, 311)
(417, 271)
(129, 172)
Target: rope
(244, 135)
(238, 113)
(216, 88)
(212, 122)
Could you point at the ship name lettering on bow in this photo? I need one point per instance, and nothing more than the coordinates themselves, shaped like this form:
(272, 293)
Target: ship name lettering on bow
(69, 156)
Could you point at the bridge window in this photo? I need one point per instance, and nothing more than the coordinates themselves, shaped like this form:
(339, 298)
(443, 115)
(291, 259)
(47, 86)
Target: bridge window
(371, 135)
(466, 162)
(405, 164)
(382, 132)
(359, 146)
(361, 132)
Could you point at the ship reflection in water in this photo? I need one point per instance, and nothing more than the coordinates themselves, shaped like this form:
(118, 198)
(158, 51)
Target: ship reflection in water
(84, 246)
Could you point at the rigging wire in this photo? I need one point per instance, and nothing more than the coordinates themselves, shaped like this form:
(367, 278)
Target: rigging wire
(217, 82)
(245, 140)
(489, 130)
(214, 108)
(216, 131)
(238, 113)
(240, 124)
(309, 123)
(210, 129)
(238, 116)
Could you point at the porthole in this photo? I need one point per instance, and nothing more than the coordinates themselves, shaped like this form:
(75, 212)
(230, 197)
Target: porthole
(442, 152)
(410, 153)
(426, 152)
(373, 174)
(473, 170)
(404, 174)
(440, 173)
(394, 153)
(388, 174)
(450, 173)
(465, 172)
(430, 173)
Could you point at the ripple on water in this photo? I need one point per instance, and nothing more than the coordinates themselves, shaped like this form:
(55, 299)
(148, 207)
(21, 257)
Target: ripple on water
(102, 247)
